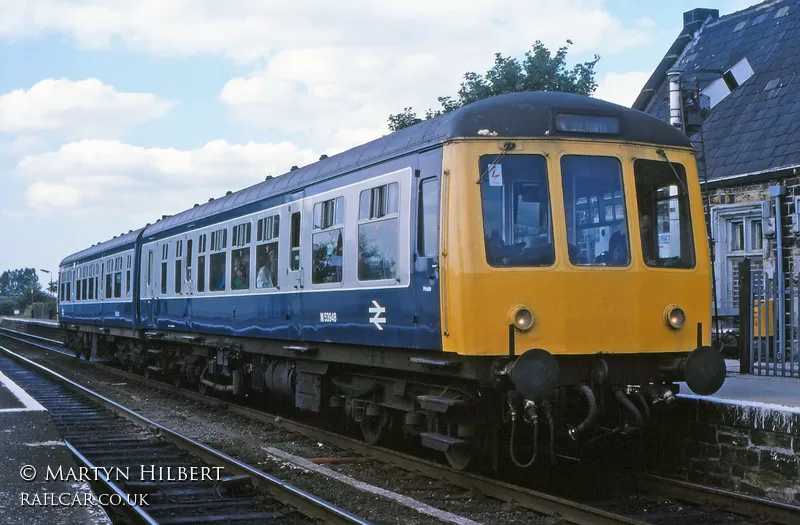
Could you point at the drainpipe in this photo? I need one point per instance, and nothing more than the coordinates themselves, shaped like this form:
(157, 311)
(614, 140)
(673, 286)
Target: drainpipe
(777, 192)
(675, 106)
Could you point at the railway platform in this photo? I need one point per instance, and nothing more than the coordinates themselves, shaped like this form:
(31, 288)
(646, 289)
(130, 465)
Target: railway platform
(29, 445)
(745, 437)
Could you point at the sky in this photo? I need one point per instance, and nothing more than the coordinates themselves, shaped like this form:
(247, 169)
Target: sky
(116, 112)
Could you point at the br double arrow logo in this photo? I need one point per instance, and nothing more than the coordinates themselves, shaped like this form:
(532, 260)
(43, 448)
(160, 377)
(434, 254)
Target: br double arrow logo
(378, 318)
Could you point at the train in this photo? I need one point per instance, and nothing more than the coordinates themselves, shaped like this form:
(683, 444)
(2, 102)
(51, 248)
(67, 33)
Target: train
(512, 280)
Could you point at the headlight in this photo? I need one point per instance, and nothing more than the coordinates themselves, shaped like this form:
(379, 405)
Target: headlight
(675, 317)
(522, 318)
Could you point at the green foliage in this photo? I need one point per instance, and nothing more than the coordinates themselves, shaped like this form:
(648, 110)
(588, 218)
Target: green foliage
(539, 70)
(19, 285)
(7, 306)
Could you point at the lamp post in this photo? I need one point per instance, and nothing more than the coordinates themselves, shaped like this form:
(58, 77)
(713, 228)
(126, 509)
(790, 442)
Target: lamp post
(50, 291)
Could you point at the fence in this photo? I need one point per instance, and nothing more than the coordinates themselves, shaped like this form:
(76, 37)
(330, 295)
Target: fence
(769, 325)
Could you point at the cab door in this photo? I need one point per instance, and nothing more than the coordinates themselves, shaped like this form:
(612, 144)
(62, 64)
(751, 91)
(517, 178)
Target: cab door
(426, 265)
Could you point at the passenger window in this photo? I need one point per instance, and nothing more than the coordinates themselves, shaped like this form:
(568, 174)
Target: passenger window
(267, 252)
(69, 292)
(109, 291)
(219, 242)
(91, 288)
(149, 268)
(665, 222)
(326, 253)
(294, 252)
(178, 276)
(118, 284)
(240, 257)
(377, 233)
(594, 204)
(164, 257)
(428, 218)
(201, 273)
(189, 260)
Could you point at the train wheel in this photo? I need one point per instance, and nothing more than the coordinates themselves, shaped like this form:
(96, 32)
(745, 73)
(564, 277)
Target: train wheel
(202, 387)
(374, 423)
(459, 457)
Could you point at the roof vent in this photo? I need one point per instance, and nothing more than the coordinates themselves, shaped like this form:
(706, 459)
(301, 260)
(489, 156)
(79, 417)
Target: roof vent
(268, 177)
(782, 12)
(229, 192)
(165, 217)
(760, 18)
(211, 199)
(323, 157)
(293, 168)
(731, 79)
(195, 205)
(739, 26)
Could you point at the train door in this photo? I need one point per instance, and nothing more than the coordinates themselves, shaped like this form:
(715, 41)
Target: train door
(295, 271)
(148, 279)
(426, 265)
(177, 312)
(189, 286)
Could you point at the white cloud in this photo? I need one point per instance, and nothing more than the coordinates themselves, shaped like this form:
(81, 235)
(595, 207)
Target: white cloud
(108, 176)
(86, 108)
(318, 67)
(621, 88)
(246, 30)
(26, 145)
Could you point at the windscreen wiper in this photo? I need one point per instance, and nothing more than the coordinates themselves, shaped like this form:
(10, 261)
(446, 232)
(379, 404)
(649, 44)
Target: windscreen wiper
(508, 146)
(663, 153)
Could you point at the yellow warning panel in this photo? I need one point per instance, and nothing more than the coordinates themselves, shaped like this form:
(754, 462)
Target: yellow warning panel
(763, 319)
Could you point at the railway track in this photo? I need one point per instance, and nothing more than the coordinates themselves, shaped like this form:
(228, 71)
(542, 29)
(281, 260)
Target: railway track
(715, 500)
(134, 455)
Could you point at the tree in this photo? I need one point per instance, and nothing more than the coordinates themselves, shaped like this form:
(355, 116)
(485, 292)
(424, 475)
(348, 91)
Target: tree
(20, 284)
(538, 71)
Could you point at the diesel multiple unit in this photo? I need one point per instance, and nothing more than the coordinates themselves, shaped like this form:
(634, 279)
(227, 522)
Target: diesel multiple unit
(531, 260)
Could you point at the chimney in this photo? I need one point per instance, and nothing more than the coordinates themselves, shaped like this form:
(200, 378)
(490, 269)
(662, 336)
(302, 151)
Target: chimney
(692, 20)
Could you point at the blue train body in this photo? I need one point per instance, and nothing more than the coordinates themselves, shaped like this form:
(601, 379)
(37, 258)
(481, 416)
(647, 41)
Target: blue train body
(396, 314)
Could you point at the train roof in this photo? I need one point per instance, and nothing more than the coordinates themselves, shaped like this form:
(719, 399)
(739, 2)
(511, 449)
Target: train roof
(118, 243)
(529, 114)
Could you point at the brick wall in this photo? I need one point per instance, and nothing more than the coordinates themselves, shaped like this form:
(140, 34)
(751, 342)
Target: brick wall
(749, 449)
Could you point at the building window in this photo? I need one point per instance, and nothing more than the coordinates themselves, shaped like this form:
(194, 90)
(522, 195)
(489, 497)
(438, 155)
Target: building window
(737, 236)
(326, 252)
(756, 235)
(377, 233)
